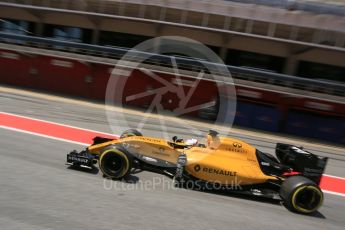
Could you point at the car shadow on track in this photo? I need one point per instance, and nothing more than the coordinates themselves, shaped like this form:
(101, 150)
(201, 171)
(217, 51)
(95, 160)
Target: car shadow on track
(133, 179)
(316, 214)
(255, 198)
(130, 179)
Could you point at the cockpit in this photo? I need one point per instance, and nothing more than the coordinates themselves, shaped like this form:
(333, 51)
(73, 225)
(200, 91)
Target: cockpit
(212, 141)
(179, 143)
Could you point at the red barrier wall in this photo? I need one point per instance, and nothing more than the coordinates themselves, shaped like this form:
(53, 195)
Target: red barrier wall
(49, 73)
(65, 76)
(90, 80)
(15, 68)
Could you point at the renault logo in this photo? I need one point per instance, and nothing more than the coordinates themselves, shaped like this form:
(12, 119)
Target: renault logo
(237, 145)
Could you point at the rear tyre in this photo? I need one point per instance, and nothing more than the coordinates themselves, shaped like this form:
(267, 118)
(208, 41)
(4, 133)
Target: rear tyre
(130, 133)
(301, 194)
(115, 164)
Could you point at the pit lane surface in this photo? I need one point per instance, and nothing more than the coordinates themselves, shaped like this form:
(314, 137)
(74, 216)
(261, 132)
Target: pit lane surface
(38, 192)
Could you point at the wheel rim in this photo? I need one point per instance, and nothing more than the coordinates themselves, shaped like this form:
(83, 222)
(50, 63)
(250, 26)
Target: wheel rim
(114, 164)
(307, 199)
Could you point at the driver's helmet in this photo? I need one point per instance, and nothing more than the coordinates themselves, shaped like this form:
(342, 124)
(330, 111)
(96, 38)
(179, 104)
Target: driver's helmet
(212, 140)
(191, 142)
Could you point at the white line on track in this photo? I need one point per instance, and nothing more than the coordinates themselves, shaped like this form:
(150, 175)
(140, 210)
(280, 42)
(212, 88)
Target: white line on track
(342, 178)
(333, 193)
(42, 135)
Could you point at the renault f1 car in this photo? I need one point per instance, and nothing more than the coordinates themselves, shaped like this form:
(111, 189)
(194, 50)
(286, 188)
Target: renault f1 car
(292, 176)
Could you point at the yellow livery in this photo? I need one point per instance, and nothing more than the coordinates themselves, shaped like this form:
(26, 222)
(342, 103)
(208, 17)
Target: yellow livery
(220, 163)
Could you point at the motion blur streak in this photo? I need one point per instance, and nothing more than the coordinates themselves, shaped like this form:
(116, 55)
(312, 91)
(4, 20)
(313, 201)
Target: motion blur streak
(331, 184)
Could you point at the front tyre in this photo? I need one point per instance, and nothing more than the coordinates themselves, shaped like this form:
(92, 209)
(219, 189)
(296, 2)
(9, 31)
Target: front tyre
(115, 164)
(301, 194)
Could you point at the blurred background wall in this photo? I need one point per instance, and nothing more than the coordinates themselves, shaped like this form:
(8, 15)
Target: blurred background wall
(287, 57)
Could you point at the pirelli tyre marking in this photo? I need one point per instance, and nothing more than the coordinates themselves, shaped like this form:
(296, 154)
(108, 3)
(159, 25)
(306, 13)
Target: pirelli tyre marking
(315, 196)
(119, 153)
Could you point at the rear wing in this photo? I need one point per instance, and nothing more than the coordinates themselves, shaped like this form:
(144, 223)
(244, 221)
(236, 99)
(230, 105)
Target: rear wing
(308, 164)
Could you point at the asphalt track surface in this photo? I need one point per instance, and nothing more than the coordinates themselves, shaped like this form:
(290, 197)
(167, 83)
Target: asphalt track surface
(37, 191)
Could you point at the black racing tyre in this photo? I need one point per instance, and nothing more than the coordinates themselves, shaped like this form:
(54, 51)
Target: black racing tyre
(300, 194)
(130, 132)
(115, 164)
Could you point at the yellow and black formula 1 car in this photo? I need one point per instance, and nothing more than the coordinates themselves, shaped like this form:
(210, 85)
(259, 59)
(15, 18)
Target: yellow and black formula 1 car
(222, 163)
